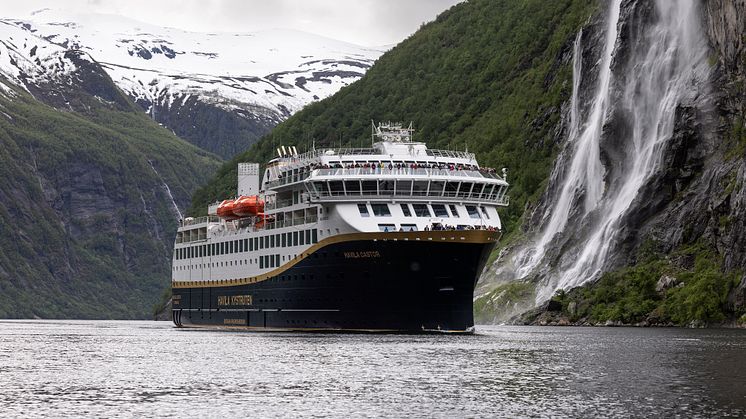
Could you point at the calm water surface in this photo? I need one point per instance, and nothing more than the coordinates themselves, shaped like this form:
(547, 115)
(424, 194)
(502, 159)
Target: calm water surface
(143, 369)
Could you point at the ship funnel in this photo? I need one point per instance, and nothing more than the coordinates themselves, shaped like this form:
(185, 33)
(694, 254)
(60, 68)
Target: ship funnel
(248, 179)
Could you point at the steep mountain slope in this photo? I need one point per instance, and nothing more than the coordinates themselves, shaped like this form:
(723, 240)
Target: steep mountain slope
(220, 91)
(490, 75)
(90, 189)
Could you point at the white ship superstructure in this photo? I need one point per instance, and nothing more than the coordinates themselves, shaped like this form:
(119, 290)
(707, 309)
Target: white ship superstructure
(396, 185)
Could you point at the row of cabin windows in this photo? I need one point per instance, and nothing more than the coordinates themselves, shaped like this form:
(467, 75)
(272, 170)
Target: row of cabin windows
(421, 210)
(289, 239)
(269, 261)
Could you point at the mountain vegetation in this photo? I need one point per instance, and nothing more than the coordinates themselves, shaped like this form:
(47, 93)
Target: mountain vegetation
(89, 192)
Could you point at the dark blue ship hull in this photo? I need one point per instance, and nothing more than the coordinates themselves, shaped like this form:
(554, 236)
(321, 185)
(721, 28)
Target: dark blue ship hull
(378, 282)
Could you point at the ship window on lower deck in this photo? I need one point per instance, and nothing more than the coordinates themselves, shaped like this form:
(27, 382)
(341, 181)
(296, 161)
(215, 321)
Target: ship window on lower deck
(440, 210)
(245, 245)
(240, 246)
(387, 227)
(409, 227)
(421, 210)
(314, 236)
(472, 210)
(277, 260)
(266, 242)
(261, 243)
(308, 236)
(284, 240)
(295, 238)
(301, 238)
(363, 210)
(380, 210)
(271, 241)
(261, 263)
(251, 245)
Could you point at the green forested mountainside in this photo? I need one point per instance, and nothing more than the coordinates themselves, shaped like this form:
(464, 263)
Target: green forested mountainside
(86, 215)
(486, 74)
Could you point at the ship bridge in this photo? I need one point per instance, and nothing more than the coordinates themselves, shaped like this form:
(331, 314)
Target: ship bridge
(394, 167)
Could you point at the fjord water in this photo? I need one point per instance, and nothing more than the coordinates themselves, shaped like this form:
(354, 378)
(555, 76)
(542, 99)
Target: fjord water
(150, 369)
(666, 67)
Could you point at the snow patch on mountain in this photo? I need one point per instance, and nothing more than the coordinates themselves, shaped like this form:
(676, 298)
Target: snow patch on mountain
(275, 72)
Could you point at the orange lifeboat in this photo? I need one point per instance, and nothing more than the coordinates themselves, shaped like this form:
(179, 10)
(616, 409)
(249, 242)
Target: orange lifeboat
(248, 205)
(225, 209)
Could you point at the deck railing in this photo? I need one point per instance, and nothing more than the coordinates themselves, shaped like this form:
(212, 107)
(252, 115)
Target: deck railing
(503, 200)
(407, 171)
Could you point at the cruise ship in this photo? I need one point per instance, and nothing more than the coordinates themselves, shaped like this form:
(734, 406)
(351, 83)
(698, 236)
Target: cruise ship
(391, 238)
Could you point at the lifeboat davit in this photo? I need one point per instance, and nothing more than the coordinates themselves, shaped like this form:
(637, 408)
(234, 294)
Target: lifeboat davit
(246, 206)
(225, 209)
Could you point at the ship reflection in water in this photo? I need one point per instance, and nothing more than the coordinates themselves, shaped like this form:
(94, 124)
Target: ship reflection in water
(106, 368)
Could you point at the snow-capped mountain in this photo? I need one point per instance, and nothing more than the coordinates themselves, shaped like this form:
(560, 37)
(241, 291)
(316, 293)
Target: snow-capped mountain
(220, 91)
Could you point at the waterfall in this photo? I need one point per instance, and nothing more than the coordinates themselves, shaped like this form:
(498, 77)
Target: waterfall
(665, 64)
(168, 191)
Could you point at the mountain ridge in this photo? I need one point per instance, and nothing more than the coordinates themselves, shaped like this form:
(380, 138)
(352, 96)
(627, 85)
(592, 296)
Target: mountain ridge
(179, 76)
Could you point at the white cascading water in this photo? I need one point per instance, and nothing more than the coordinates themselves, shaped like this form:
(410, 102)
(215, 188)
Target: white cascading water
(667, 67)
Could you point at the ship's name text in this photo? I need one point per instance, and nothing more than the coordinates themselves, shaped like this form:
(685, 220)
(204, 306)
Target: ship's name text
(235, 300)
(368, 254)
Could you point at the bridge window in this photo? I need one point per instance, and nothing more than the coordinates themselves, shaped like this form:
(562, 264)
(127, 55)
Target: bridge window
(336, 188)
(363, 210)
(472, 210)
(370, 187)
(419, 188)
(403, 187)
(484, 211)
(353, 187)
(454, 211)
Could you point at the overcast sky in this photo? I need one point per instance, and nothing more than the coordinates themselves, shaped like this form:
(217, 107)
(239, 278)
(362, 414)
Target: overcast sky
(364, 22)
